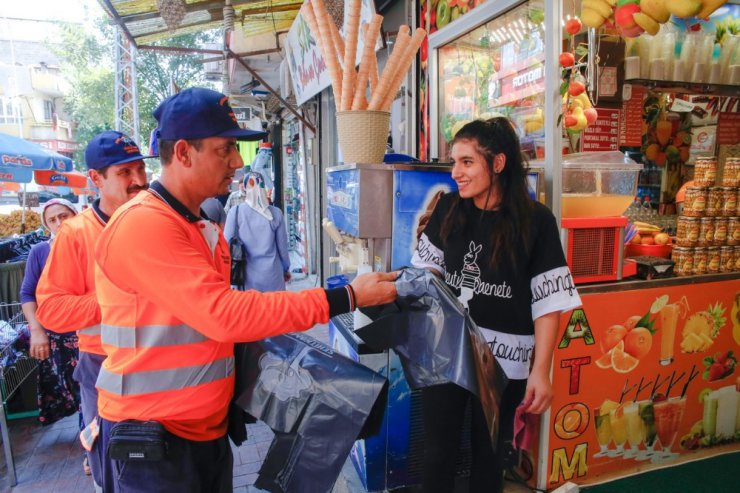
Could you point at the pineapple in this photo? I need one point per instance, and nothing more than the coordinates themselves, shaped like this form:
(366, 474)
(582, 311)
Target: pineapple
(702, 328)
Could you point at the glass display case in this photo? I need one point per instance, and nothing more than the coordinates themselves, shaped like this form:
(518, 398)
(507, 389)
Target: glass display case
(491, 69)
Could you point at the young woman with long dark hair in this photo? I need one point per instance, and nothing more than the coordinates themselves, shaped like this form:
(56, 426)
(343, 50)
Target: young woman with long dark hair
(500, 252)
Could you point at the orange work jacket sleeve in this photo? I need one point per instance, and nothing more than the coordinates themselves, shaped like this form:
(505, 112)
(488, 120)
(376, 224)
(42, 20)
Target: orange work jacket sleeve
(162, 260)
(65, 293)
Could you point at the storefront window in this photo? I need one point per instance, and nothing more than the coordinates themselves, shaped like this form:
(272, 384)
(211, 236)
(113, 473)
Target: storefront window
(496, 69)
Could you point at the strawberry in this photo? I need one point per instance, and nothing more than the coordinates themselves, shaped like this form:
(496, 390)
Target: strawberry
(716, 371)
(720, 358)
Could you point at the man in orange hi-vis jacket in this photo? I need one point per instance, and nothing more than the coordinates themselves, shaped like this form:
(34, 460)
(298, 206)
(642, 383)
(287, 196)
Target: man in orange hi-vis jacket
(170, 319)
(66, 290)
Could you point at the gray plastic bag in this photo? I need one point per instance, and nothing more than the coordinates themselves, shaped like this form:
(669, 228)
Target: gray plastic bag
(437, 341)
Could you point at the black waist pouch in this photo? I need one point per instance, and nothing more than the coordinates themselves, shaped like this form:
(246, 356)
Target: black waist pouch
(137, 440)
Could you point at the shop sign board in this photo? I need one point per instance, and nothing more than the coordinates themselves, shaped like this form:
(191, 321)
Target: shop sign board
(643, 379)
(630, 128)
(603, 134)
(308, 69)
(242, 114)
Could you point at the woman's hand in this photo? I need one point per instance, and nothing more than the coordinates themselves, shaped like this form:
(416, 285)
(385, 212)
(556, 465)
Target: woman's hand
(40, 348)
(539, 392)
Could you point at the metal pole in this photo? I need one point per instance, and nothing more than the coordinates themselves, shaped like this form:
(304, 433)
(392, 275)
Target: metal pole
(267, 86)
(19, 119)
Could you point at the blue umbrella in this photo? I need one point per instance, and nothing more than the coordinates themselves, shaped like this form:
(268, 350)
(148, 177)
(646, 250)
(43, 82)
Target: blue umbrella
(21, 153)
(15, 174)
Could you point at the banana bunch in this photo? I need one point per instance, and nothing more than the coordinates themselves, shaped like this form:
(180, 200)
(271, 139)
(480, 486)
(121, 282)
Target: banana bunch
(594, 13)
(534, 121)
(646, 228)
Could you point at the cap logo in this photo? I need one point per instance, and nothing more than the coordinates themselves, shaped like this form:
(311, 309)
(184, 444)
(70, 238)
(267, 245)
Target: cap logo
(224, 100)
(233, 116)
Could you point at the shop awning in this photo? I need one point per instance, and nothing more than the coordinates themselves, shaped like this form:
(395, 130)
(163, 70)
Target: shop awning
(144, 23)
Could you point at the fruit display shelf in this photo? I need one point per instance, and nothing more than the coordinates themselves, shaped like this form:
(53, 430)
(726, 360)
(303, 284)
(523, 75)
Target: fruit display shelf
(688, 87)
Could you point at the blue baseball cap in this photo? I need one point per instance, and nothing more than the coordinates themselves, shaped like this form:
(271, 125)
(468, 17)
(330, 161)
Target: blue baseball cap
(111, 148)
(198, 113)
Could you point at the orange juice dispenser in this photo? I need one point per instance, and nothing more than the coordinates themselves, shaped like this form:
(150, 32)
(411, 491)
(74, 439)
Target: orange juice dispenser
(597, 188)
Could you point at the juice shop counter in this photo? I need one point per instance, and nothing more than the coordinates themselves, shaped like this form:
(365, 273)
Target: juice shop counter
(644, 376)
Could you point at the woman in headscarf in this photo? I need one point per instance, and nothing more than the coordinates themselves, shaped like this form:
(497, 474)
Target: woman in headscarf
(58, 392)
(262, 230)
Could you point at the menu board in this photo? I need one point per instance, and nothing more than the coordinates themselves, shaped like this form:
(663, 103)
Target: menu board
(728, 128)
(630, 129)
(603, 134)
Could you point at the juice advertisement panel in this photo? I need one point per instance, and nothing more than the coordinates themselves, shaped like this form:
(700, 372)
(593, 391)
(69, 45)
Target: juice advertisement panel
(643, 379)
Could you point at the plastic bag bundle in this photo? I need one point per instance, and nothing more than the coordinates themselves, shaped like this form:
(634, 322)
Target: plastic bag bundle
(437, 341)
(316, 401)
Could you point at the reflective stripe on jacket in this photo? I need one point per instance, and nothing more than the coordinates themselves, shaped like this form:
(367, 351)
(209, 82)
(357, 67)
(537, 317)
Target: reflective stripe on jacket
(169, 320)
(66, 291)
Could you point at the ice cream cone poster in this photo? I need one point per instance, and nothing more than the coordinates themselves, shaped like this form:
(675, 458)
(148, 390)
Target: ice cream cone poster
(643, 379)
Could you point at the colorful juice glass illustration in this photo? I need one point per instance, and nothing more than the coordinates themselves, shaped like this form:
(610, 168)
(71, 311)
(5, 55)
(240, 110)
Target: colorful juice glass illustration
(603, 432)
(618, 422)
(669, 314)
(635, 429)
(668, 322)
(668, 415)
(645, 408)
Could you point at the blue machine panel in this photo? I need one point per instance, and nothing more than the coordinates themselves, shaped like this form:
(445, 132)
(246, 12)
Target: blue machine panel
(414, 193)
(343, 199)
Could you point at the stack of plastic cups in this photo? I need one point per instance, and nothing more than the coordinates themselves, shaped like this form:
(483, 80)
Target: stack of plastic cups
(689, 54)
(643, 50)
(729, 57)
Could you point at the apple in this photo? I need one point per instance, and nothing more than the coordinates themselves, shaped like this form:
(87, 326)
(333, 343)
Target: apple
(661, 238)
(647, 240)
(636, 240)
(567, 59)
(591, 115)
(573, 26)
(575, 88)
(623, 15)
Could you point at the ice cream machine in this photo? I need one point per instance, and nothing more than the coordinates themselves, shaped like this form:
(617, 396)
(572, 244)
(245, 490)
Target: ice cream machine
(381, 209)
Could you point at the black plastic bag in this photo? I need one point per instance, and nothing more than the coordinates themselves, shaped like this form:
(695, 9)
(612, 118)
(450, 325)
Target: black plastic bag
(316, 401)
(437, 341)
(238, 253)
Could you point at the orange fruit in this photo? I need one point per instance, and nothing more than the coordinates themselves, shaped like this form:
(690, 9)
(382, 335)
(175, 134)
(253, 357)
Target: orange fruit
(647, 240)
(623, 362)
(652, 152)
(605, 362)
(611, 337)
(638, 342)
(631, 322)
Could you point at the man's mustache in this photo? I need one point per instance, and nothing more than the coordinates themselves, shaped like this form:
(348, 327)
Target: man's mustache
(137, 188)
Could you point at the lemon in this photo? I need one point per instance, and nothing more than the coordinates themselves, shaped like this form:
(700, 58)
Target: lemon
(658, 304)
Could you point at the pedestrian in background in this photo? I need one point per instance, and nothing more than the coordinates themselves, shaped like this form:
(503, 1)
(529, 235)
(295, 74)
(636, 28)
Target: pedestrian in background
(58, 393)
(261, 228)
